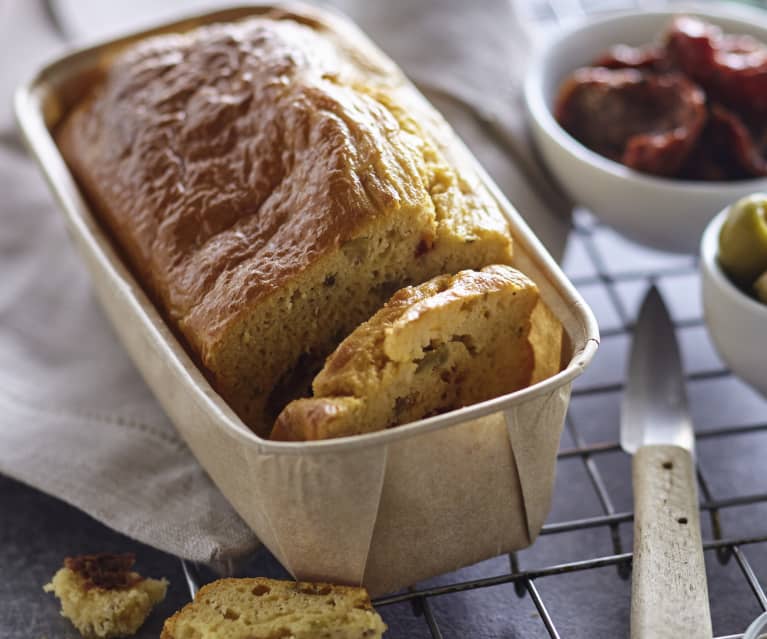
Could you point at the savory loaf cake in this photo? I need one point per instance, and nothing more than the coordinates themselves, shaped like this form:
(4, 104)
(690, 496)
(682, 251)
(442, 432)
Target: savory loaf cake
(102, 596)
(271, 182)
(450, 342)
(268, 609)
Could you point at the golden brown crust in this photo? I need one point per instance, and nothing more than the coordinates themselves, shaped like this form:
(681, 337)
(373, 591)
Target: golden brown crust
(314, 418)
(223, 190)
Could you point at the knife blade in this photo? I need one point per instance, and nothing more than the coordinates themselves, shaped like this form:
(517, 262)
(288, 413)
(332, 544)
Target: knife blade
(669, 592)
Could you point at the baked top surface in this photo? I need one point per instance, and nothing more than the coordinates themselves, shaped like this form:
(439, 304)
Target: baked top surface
(229, 158)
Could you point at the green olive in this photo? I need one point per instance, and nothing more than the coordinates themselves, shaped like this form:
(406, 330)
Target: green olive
(760, 287)
(743, 239)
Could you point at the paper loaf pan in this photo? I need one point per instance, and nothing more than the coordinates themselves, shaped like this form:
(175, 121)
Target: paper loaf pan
(385, 509)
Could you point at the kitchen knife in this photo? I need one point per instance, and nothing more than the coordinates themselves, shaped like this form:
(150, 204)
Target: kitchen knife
(669, 592)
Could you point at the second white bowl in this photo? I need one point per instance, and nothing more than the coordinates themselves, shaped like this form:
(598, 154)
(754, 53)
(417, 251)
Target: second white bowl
(664, 213)
(736, 322)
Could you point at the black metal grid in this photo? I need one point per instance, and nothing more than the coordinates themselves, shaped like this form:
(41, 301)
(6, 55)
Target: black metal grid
(725, 548)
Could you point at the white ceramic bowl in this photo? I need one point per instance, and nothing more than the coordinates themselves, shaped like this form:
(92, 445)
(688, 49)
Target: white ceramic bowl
(663, 213)
(737, 323)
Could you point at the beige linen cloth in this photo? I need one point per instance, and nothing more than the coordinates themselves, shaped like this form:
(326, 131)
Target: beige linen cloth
(76, 420)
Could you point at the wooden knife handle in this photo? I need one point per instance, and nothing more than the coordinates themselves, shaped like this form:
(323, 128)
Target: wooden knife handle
(669, 593)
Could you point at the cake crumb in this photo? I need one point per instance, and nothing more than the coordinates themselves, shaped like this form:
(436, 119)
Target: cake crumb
(103, 597)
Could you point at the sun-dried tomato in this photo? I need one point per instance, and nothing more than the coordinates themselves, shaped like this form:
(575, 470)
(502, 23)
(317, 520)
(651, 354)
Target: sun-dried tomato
(731, 68)
(646, 121)
(105, 570)
(650, 57)
(735, 136)
(715, 128)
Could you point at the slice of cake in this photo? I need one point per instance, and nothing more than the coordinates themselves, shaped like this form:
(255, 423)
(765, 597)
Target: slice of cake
(103, 597)
(452, 341)
(268, 609)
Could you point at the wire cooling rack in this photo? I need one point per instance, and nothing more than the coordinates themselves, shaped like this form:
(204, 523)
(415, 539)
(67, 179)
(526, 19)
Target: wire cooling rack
(595, 251)
(726, 548)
